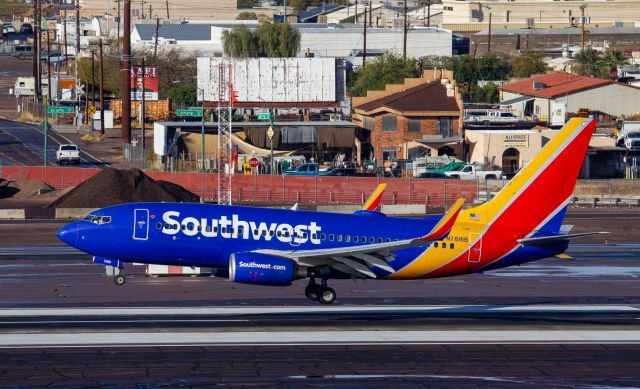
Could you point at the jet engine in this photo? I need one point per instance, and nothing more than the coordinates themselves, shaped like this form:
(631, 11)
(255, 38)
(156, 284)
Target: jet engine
(262, 269)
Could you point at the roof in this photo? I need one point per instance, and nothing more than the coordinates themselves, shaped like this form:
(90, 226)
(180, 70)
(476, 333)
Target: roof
(561, 31)
(313, 12)
(430, 96)
(555, 84)
(181, 32)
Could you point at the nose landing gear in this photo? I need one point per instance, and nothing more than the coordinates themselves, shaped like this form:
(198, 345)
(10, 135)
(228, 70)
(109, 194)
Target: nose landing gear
(320, 293)
(119, 279)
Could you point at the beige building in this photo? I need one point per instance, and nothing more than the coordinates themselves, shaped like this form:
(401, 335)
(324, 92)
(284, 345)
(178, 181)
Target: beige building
(509, 150)
(545, 12)
(166, 9)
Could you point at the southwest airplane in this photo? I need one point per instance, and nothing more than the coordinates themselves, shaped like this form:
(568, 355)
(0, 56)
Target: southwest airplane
(262, 246)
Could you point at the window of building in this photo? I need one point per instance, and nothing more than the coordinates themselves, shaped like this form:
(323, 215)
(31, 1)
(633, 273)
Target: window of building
(414, 125)
(389, 123)
(369, 123)
(388, 154)
(445, 126)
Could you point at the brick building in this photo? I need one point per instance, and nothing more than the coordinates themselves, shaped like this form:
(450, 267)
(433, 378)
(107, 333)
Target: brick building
(420, 113)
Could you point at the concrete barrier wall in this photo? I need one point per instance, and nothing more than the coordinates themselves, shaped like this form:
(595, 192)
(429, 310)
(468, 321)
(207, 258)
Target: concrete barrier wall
(338, 208)
(73, 213)
(12, 214)
(404, 209)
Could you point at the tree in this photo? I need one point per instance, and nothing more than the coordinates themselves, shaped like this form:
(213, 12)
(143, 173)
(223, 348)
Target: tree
(247, 16)
(183, 95)
(271, 40)
(385, 69)
(610, 61)
(586, 63)
(527, 64)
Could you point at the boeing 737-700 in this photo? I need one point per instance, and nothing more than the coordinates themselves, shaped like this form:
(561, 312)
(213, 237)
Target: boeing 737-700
(263, 246)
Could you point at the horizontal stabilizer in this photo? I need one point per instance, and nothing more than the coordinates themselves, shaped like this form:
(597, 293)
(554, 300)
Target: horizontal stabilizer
(554, 238)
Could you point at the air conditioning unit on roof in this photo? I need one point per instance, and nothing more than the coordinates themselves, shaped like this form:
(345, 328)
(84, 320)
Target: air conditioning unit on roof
(537, 85)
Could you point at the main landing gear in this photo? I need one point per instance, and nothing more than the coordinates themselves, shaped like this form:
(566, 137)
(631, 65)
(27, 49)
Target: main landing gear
(321, 293)
(118, 276)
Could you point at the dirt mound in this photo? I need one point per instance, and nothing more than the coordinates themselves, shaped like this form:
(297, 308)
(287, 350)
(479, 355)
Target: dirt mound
(113, 186)
(22, 188)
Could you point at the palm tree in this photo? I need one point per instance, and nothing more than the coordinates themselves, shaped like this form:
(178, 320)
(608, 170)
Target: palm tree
(586, 62)
(610, 61)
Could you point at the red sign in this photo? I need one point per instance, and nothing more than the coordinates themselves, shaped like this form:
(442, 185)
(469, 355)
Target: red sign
(144, 79)
(253, 162)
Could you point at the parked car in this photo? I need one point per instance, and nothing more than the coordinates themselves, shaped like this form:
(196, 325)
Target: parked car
(68, 154)
(23, 51)
(8, 28)
(26, 29)
(54, 57)
(340, 171)
(474, 172)
(306, 169)
(508, 176)
(632, 141)
(433, 175)
(487, 117)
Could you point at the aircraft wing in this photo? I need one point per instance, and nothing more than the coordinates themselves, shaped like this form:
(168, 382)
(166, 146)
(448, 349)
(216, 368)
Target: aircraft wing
(553, 238)
(358, 260)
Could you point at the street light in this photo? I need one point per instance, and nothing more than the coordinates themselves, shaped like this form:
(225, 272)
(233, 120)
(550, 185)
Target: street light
(271, 130)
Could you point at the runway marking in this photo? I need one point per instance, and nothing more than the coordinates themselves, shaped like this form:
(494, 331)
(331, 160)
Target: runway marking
(320, 338)
(392, 309)
(124, 321)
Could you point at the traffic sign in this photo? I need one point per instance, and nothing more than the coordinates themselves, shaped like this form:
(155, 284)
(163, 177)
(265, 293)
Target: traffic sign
(91, 110)
(264, 116)
(270, 133)
(253, 162)
(59, 109)
(189, 112)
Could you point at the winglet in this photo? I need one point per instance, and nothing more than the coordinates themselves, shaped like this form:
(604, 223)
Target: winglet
(445, 224)
(374, 200)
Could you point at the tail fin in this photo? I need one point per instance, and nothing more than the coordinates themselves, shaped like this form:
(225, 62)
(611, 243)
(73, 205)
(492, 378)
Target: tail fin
(446, 223)
(373, 201)
(538, 195)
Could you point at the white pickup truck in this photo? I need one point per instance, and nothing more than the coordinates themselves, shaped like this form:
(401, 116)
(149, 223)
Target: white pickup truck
(68, 154)
(474, 172)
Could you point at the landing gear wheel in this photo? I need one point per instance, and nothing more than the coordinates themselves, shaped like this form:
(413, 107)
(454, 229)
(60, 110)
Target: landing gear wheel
(119, 279)
(311, 291)
(326, 295)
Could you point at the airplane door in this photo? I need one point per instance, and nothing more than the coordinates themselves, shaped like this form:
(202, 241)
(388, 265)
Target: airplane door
(475, 251)
(141, 224)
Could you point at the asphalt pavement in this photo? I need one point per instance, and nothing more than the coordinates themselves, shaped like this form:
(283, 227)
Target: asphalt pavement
(23, 144)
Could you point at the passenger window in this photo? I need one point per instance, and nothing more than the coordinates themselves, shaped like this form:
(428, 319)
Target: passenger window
(395, 240)
(451, 245)
(279, 233)
(331, 237)
(364, 239)
(158, 225)
(435, 244)
(388, 240)
(347, 238)
(264, 233)
(379, 240)
(215, 229)
(355, 239)
(240, 230)
(339, 238)
(207, 228)
(224, 230)
(323, 236)
(168, 226)
(372, 240)
(199, 228)
(184, 227)
(314, 236)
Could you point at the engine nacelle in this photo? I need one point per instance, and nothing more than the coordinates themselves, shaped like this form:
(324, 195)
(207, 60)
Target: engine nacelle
(261, 269)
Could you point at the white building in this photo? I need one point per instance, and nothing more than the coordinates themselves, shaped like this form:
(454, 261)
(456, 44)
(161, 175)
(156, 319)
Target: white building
(541, 96)
(320, 40)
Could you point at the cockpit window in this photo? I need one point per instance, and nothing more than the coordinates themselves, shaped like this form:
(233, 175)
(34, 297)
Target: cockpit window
(98, 219)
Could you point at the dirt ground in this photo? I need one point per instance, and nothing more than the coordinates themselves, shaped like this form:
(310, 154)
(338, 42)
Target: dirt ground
(10, 69)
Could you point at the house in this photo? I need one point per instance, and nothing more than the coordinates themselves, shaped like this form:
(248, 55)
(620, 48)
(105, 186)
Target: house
(559, 93)
(426, 111)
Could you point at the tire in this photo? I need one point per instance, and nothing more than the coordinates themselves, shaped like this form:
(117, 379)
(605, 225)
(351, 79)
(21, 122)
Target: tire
(119, 279)
(312, 293)
(455, 177)
(327, 296)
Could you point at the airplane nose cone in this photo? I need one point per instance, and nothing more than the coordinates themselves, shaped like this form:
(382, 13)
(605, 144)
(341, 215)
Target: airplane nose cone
(69, 234)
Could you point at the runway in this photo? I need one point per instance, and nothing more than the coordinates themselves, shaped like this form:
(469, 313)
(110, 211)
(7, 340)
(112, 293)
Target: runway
(551, 323)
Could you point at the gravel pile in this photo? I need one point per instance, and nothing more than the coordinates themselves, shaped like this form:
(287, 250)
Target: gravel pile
(22, 188)
(113, 186)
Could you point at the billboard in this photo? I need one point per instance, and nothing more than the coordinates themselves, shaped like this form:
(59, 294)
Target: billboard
(147, 76)
(285, 80)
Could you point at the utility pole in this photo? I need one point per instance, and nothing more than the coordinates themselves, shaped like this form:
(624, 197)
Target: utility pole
(489, 39)
(36, 55)
(101, 69)
(370, 13)
(118, 25)
(76, 62)
(64, 31)
(428, 13)
(364, 39)
(167, 4)
(155, 44)
(48, 68)
(141, 9)
(142, 113)
(150, 11)
(93, 84)
(404, 46)
(582, 7)
(126, 74)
